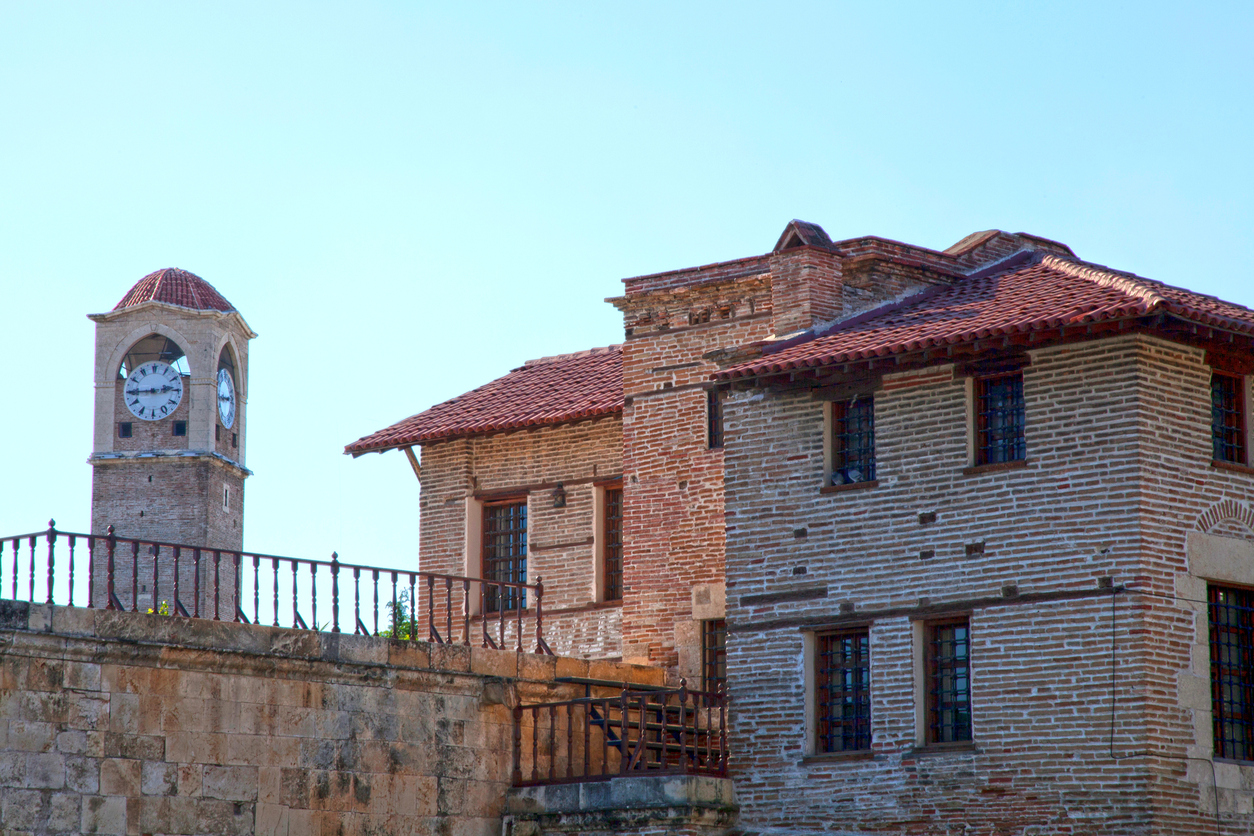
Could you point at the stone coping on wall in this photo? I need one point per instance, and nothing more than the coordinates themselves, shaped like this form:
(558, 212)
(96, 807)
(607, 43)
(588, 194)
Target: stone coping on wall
(680, 804)
(307, 646)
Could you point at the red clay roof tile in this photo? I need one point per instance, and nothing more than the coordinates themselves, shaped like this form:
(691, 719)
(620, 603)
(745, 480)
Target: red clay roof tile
(1048, 292)
(552, 390)
(175, 287)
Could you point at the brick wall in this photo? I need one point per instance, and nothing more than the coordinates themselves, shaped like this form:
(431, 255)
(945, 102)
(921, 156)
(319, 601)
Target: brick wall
(562, 549)
(1118, 473)
(125, 724)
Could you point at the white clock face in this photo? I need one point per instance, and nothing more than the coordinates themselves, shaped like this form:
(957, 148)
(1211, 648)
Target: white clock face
(153, 391)
(226, 398)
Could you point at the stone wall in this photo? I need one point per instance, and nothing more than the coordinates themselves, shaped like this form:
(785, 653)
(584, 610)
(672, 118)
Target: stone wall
(125, 724)
(1118, 473)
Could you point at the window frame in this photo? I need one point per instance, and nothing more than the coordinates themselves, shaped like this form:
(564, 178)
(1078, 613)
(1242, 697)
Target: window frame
(1232, 728)
(494, 598)
(838, 460)
(933, 678)
(714, 655)
(859, 692)
(1230, 436)
(611, 543)
(713, 420)
(989, 448)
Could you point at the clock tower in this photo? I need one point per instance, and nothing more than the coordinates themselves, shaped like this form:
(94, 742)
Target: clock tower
(168, 458)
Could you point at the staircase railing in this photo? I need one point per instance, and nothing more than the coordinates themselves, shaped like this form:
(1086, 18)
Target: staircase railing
(656, 731)
(138, 575)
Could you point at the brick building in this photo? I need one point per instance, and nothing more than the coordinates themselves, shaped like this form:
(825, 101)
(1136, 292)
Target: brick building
(974, 529)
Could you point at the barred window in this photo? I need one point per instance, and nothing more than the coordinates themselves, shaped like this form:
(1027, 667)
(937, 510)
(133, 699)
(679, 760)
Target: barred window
(714, 419)
(999, 419)
(843, 691)
(714, 655)
(948, 665)
(853, 441)
(505, 553)
(1227, 418)
(612, 556)
(1232, 671)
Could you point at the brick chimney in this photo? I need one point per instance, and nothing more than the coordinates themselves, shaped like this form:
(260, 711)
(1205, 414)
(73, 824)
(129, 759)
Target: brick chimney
(805, 279)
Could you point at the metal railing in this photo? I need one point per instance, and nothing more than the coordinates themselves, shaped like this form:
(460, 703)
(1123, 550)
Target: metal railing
(656, 731)
(199, 582)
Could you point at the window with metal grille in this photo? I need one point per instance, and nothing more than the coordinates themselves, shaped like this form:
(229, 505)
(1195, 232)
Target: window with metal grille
(714, 655)
(126, 429)
(1232, 671)
(1227, 417)
(505, 553)
(853, 441)
(843, 691)
(948, 665)
(612, 567)
(999, 419)
(714, 416)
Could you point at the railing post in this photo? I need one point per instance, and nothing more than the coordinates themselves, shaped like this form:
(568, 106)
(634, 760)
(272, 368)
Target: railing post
(335, 593)
(196, 582)
(31, 542)
(238, 580)
(313, 595)
(217, 583)
(70, 595)
(466, 613)
(112, 541)
(134, 576)
(540, 643)
(156, 605)
(174, 609)
(52, 539)
(91, 570)
(622, 735)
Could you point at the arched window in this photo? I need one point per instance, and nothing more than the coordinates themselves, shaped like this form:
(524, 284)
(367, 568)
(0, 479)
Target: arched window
(154, 347)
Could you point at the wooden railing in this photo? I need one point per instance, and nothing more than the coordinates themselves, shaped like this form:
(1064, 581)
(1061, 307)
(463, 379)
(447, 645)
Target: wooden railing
(656, 731)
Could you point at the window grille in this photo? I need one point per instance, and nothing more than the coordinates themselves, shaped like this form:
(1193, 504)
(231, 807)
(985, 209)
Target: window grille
(714, 416)
(505, 554)
(949, 682)
(714, 655)
(843, 691)
(1227, 418)
(999, 417)
(853, 441)
(613, 556)
(126, 429)
(1232, 671)
(179, 428)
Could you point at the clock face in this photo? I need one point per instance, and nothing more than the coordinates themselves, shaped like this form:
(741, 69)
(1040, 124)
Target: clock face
(153, 391)
(226, 398)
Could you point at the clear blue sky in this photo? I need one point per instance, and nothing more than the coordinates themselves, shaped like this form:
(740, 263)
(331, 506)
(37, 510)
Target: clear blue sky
(406, 200)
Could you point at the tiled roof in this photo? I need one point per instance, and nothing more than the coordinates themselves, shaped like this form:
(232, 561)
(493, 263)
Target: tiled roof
(1046, 292)
(175, 287)
(552, 390)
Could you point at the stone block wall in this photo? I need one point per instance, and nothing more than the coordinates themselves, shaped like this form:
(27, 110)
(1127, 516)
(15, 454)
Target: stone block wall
(126, 724)
(1118, 474)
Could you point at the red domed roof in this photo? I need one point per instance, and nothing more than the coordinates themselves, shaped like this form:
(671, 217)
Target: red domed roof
(175, 287)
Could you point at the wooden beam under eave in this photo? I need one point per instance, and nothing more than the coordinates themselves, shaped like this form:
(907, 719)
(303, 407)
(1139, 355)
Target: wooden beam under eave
(413, 461)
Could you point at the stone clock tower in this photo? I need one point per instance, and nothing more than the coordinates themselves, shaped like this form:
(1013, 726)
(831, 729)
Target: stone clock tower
(168, 458)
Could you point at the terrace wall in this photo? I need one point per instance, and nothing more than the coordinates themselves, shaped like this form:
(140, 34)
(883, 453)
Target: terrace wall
(123, 724)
